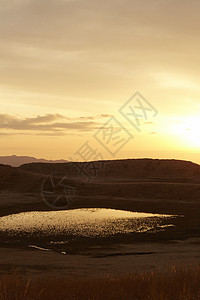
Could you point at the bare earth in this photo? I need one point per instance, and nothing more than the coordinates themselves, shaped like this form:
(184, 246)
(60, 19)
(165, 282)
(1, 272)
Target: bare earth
(119, 259)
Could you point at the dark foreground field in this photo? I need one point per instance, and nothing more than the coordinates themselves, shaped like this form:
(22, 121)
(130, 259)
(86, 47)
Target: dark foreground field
(175, 284)
(151, 186)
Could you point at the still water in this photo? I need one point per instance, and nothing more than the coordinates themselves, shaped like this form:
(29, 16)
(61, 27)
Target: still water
(91, 222)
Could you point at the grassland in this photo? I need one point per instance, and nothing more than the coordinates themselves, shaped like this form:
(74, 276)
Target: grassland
(175, 284)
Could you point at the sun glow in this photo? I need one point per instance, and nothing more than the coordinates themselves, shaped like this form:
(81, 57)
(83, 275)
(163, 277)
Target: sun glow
(189, 132)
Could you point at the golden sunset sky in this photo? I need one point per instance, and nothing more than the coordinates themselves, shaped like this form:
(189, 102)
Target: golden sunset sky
(68, 66)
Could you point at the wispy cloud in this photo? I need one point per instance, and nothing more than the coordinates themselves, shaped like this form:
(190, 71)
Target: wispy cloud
(50, 124)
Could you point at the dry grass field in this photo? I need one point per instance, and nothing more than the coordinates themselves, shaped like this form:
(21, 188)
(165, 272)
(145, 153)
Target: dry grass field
(183, 284)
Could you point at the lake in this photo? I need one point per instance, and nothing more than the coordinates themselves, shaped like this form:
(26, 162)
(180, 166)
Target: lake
(90, 222)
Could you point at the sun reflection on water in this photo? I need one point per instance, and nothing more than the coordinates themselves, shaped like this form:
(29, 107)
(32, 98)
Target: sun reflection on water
(89, 222)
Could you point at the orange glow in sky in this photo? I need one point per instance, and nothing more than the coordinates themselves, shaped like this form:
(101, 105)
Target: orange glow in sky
(67, 66)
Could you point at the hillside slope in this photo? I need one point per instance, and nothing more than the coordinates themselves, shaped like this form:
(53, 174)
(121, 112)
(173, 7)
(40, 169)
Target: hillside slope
(13, 179)
(132, 169)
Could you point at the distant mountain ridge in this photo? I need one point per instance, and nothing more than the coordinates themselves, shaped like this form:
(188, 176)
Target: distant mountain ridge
(16, 161)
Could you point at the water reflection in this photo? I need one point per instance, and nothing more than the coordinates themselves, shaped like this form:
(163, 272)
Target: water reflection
(91, 222)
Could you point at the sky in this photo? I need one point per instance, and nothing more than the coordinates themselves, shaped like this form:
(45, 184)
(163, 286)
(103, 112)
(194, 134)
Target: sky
(86, 79)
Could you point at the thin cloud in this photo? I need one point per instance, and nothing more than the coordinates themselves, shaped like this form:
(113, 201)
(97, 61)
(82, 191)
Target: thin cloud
(50, 124)
(96, 117)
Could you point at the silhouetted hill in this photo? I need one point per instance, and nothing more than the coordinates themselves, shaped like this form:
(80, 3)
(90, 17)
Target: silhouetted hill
(127, 179)
(132, 169)
(13, 179)
(16, 161)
